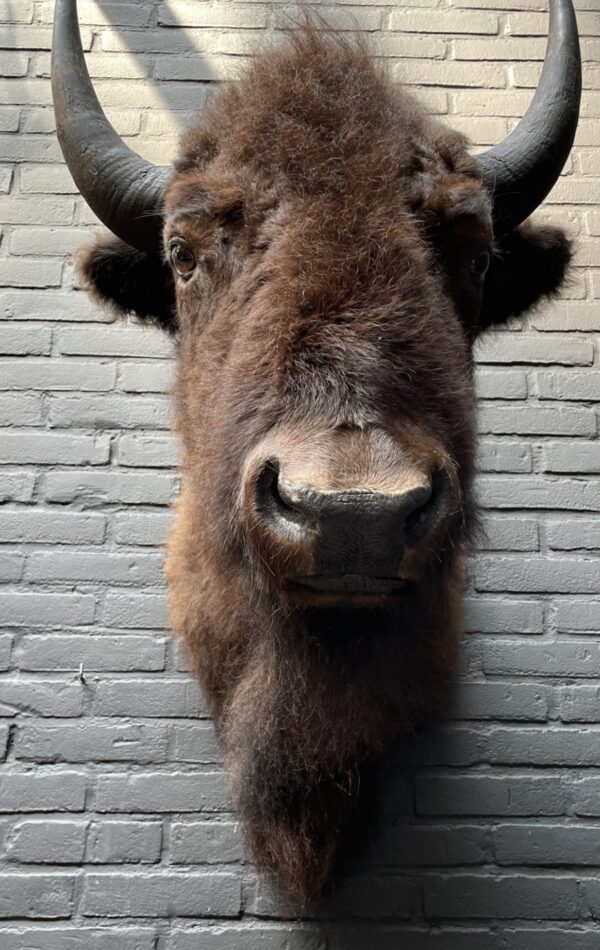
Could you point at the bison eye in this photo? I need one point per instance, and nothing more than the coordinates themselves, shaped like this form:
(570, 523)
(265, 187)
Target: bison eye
(182, 258)
(480, 264)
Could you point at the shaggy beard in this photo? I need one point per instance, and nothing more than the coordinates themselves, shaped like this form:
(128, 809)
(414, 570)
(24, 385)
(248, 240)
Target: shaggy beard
(317, 701)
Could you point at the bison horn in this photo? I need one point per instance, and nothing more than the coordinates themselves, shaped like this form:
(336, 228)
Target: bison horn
(124, 190)
(521, 170)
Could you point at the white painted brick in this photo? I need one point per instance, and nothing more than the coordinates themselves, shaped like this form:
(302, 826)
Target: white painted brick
(85, 515)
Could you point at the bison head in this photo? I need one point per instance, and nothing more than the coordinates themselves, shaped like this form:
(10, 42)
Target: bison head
(325, 254)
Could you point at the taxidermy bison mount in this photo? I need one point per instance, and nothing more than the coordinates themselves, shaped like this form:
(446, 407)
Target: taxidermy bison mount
(325, 254)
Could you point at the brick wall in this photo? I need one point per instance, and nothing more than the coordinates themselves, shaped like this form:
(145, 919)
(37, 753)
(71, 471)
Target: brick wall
(113, 828)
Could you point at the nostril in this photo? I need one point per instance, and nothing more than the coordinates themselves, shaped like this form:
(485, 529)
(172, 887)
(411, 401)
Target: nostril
(427, 512)
(269, 501)
(418, 516)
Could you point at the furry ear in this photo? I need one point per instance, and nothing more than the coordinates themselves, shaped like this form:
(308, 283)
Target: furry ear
(529, 263)
(129, 281)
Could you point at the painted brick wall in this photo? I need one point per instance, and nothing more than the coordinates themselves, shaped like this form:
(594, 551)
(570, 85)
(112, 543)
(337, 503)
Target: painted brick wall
(114, 833)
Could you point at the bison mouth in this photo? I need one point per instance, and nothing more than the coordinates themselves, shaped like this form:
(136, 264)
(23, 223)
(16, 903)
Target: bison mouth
(346, 588)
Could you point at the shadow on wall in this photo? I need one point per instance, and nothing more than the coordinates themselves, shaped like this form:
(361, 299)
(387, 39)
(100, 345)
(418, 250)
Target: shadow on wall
(409, 866)
(162, 33)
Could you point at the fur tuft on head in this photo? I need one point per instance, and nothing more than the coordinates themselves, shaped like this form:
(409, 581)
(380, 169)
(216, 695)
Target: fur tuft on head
(129, 281)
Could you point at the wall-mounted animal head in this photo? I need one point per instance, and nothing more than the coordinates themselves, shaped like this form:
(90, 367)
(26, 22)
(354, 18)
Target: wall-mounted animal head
(326, 254)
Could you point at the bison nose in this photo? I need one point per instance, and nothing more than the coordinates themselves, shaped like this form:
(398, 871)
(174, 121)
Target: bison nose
(354, 531)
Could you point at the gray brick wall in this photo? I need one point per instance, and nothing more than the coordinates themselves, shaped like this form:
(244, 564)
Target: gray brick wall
(114, 830)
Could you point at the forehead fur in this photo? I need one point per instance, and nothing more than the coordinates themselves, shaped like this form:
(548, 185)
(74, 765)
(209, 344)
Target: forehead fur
(319, 116)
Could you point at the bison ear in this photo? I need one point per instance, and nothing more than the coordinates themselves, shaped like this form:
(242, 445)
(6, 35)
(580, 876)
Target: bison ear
(529, 263)
(129, 281)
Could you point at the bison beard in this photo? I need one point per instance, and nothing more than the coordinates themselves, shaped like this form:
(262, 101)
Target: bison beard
(320, 697)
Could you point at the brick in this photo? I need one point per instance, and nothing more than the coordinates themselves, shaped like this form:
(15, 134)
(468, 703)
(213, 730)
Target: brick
(47, 242)
(51, 305)
(47, 179)
(42, 791)
(53, 375)
(516, 658)
(117, 341)
(17, 91)
(528, 574)
(41, 697)
(579, 703)
(530, 348)
(543, 745)
(48, 896)
(195, 742)
(91, 741)
(21, 14)
(443, 21)
(51, 527)
(16, 486)
(501, 384)
(142, 529)
(5, 651)
(389, 938)
(166, 894)
(565, 493)
(172, 792)
(110, 412)
(22, 409)
(424, 72)
(572, 386)
(11, 567)
(96, 488)
(186, 13)
(24, 609)
(6, 176)
(577, 616)
(9, 120)
(508, 534)
(147, 450)
(430, 845)
(124, 842)
(66, 653)
(531, 420)
(19, 340)
(39, 841)
(144, 377)
(503, 794)
(501, 896)
(111, 13)
(572, 457)
(136, 611)
(487, 615)
(411, 46)
(117, 938)
(30, 273)
(104, 567)
(245, 938)
(586, 797)
(52, 448)
(495, 456)
(501, 701)
(28, 211)
(14, 64)
(572, 315)
(205, 842)
(501, 48)
(178, 697)
(547, 845)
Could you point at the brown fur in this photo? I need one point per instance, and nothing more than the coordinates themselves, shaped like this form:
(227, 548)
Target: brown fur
(333, 304)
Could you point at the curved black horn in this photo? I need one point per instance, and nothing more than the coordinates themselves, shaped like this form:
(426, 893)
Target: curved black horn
(124, 190)
(521, 170)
